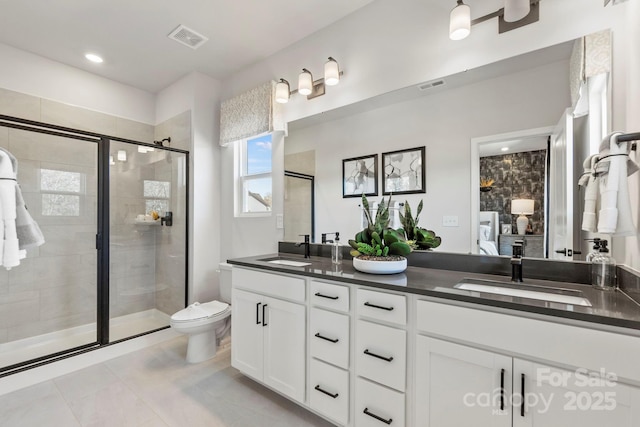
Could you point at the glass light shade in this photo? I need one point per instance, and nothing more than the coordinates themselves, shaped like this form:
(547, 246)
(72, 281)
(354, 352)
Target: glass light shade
(460, 22)
(122, 155)
(331, 72)
(515, 10)
(282, 91)
(305, 82)
(522, 206)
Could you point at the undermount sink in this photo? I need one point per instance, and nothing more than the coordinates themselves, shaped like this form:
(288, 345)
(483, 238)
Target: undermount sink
(564, 296)
(285, 261)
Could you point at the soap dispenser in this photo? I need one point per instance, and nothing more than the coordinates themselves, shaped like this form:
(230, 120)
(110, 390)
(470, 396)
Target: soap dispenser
(336, 250)
(603, 269)
(595, 251)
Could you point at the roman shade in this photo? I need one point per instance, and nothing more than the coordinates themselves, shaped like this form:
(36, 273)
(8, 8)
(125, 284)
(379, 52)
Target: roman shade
(249, 114)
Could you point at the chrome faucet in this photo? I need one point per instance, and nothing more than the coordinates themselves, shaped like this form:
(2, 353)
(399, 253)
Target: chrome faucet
(307, 246)
(516, 261)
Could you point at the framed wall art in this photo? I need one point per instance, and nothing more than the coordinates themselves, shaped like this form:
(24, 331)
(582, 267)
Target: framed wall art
(404, 171)
(360, 175)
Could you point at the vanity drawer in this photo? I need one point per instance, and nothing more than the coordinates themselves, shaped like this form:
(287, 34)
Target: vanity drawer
(382, 306)
(287, 287)
(329, 394)
(330, 336)
(329, 295)
(381, 354)
(377, 406)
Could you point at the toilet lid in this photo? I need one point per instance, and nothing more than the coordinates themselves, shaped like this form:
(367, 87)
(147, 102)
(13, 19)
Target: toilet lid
(200, 311)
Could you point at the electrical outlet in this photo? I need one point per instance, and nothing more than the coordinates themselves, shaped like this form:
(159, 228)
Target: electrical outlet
(450, 221)
(279, 221)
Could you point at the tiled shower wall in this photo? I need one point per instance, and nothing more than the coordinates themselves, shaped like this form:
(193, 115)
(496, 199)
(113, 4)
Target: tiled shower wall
(517, 176)
(54, 288)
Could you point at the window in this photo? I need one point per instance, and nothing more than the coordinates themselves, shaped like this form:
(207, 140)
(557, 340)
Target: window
(157, 195)
(60, 192)
(254, 175)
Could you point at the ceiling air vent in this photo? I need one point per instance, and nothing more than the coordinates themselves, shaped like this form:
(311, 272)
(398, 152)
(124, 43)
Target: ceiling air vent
(187, 37)
(431, 84)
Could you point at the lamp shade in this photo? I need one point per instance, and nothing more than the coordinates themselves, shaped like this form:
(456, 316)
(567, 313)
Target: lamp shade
(331, 72)
(515, 10)
(282, 91)
(460, 21)
(305, 82)
(522, 206)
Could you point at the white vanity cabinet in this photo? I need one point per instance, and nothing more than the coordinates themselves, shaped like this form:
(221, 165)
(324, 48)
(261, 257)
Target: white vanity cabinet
(380, 358)
(269, 334)
(469, 384)
(329, 350)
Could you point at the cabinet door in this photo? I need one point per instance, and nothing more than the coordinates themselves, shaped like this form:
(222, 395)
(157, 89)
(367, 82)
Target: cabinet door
(246, 333)
(284, 347)
(458, 386)
(559, 398)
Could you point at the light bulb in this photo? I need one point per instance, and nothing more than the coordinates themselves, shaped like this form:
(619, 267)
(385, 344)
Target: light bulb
(305, 82)
(282, 91)
(331, 72)
(460, 21)
(515, 10)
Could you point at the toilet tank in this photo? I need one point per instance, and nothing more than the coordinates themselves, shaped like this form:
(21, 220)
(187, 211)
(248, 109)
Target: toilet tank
(225, 282)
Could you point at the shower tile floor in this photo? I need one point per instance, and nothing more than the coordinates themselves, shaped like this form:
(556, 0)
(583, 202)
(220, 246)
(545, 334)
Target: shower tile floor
(153, 387)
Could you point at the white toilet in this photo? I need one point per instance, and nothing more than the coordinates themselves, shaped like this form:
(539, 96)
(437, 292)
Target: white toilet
(207, 323)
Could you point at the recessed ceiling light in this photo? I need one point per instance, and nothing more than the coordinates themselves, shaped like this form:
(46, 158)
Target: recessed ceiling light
(94, 58)
(504, 149)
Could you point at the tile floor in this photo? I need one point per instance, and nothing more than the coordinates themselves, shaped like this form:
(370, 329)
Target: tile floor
(153, 387)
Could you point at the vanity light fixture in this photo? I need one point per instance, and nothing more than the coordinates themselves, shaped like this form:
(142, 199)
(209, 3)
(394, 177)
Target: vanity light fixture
(307, 86)
(122, 156)
(514, 14)
(504, 149)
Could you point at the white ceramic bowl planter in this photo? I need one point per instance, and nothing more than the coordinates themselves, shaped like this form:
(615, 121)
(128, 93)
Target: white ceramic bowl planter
(380, 267)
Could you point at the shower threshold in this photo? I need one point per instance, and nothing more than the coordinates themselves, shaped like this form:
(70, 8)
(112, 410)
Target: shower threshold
(122, 327)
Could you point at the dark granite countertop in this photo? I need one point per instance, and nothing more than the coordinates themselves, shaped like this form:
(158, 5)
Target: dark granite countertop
(608, 308)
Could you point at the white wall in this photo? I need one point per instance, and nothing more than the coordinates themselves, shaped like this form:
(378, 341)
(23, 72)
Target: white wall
(200, 94)
(34, 75)
(443, 122)
(246, 236)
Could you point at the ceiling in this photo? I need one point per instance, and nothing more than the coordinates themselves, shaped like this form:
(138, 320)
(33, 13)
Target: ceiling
(131, 35)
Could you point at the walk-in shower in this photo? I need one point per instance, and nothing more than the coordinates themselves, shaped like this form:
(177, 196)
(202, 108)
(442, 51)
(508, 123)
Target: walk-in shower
(113, 266)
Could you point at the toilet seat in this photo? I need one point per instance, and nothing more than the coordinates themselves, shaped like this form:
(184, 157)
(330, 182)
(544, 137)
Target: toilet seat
(210, 311)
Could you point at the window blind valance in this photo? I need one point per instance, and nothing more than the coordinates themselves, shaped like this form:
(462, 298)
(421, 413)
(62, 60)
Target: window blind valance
(591, 56)
(249, 114)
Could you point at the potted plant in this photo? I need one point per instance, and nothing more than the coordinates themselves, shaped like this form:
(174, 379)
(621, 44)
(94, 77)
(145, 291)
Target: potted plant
(417, 237)
(378, 248)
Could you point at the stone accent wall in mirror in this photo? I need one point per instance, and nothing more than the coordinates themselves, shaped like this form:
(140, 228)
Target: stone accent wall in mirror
(529, 91)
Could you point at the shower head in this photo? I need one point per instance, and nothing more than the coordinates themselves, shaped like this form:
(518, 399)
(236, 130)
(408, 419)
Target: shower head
(162, 141)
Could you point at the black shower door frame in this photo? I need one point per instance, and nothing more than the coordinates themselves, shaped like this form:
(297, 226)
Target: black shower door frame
(102, 232)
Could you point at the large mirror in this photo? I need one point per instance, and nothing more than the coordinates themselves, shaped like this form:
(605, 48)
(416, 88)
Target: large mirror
(462, 120)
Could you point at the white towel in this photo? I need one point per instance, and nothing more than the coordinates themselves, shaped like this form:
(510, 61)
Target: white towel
(589, 181)
(11, 253)
(615, 215)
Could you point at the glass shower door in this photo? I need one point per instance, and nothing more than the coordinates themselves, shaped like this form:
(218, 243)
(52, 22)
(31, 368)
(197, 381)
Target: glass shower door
(48, 303)
(148, 232)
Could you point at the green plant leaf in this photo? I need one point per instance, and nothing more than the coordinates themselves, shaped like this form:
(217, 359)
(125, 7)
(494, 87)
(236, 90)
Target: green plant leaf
(365, 206)
(418, 212)
(353, 244)
(399, 248)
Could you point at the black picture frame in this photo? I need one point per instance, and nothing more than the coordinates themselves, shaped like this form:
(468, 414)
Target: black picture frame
(403, 171)
(360, 175)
